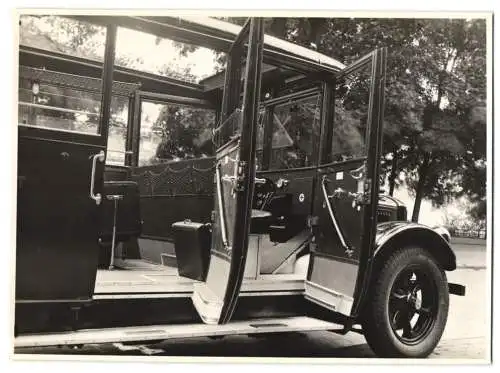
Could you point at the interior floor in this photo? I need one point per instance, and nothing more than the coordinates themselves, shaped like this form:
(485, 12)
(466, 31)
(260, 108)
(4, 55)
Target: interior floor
(139, 276)
(136, 276)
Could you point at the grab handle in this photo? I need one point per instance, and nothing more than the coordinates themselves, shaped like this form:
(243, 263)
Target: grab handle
(220, 202)
(330, 211)
(95, 196)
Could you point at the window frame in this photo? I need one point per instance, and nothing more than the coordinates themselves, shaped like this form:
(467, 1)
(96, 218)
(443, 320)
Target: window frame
(269, 106)
(133, 143)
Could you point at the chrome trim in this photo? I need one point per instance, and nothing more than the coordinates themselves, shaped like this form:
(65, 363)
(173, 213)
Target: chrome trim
(330, 210)
(97, 157)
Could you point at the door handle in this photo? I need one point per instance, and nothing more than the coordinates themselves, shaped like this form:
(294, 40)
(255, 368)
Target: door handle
(359, 172)
(95, 158)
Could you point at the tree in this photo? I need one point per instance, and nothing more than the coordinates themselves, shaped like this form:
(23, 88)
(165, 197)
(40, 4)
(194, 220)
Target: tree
(180, 128)
(447, 143)
(435, 126)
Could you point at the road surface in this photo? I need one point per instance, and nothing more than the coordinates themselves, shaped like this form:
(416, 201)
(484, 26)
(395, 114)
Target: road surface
(466, 335)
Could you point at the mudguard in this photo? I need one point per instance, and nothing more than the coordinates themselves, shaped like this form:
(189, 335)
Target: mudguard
(395, 234)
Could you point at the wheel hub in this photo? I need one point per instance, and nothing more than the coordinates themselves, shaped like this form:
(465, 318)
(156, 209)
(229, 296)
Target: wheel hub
(414, 300)
(412, 306)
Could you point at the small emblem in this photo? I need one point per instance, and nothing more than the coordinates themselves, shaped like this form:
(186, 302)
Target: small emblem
(302, 197)
(339, 175)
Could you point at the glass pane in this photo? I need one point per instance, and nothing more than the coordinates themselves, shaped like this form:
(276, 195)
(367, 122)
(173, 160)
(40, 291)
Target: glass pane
(351, 115)
(171, 132)
(117, 130)
(146, 52)
(295, 125)
(55, 107)
(63, 35)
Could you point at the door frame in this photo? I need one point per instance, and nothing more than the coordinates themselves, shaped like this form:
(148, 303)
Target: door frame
(216, 298)
(377, 59)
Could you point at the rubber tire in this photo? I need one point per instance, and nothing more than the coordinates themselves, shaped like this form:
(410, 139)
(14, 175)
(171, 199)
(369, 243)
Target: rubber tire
(376, 327)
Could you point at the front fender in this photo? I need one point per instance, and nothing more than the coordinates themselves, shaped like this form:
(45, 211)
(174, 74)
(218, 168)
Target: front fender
(393, 235)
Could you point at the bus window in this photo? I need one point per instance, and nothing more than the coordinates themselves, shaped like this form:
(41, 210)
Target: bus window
(171, 132)
(147, 53)
(295, 124)
(53, 102)
(63, 35)
(59, 108)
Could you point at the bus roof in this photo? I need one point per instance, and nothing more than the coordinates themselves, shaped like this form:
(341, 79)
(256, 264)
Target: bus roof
(271, 42)
(219, 35)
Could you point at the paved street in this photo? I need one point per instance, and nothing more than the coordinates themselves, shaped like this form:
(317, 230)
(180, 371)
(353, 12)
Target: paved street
(466, 335)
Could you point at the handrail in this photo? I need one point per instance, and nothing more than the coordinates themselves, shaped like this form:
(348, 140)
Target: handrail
(332, 215)
(221, 207)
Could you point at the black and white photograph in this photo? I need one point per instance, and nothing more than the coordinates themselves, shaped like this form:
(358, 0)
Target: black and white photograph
(252, 185)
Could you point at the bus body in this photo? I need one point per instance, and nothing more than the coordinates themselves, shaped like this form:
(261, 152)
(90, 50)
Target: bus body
(273, 222)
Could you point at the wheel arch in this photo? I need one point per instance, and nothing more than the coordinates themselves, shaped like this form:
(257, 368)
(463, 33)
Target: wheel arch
(405, 234)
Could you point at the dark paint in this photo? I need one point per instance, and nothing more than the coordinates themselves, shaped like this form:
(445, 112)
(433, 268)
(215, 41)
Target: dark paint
(409, 233)
(349, 218)
(57, 317)
(57, 250)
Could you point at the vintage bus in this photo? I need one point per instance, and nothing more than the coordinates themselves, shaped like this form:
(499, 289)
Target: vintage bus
(151, 207)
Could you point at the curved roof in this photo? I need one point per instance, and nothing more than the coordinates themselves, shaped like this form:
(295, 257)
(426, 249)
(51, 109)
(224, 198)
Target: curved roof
(219, 35)
(269, 41)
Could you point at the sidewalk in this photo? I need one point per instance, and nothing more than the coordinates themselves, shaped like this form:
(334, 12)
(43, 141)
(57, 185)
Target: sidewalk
(471, 253)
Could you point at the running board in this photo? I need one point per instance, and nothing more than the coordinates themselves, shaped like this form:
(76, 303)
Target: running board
(163, 332)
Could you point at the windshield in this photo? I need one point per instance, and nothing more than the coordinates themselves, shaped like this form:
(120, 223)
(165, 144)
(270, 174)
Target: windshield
(295, 124)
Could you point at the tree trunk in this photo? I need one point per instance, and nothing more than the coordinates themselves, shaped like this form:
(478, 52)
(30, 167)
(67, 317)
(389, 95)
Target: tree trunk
(422, 175)
(394, 169)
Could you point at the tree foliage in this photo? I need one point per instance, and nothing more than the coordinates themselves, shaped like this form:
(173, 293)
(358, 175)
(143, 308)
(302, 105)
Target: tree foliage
(435, 117)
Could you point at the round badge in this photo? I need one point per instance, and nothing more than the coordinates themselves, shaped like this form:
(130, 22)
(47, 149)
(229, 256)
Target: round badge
(301, 197)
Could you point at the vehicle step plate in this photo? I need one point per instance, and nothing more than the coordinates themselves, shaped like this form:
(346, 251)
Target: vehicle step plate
(160, 332)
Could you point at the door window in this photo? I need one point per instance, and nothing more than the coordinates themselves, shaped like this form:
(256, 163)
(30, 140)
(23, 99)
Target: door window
(351, 116)
(58, 101)
(295, 127)
(56, 107)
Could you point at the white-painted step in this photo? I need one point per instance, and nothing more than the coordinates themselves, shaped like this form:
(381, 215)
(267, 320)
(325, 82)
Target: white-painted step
(162, 332)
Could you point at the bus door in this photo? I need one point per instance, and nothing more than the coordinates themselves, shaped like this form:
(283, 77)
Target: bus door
(235, 139)
(347, 187)
(61, 154)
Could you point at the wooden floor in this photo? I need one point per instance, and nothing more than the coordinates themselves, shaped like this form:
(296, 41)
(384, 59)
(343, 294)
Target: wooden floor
(136, 277)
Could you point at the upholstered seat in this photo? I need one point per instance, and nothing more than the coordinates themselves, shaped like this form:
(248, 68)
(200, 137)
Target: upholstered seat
(260, 221)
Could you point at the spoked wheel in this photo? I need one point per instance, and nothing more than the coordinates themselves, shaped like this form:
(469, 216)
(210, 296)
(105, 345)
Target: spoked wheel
(408, 308)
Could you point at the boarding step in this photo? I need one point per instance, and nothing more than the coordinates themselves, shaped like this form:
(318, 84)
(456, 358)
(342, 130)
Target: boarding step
(163, 332)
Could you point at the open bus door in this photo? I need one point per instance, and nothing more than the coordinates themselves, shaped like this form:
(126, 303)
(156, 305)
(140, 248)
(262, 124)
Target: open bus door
(347, 187)
(60, 180)
(235, 140)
